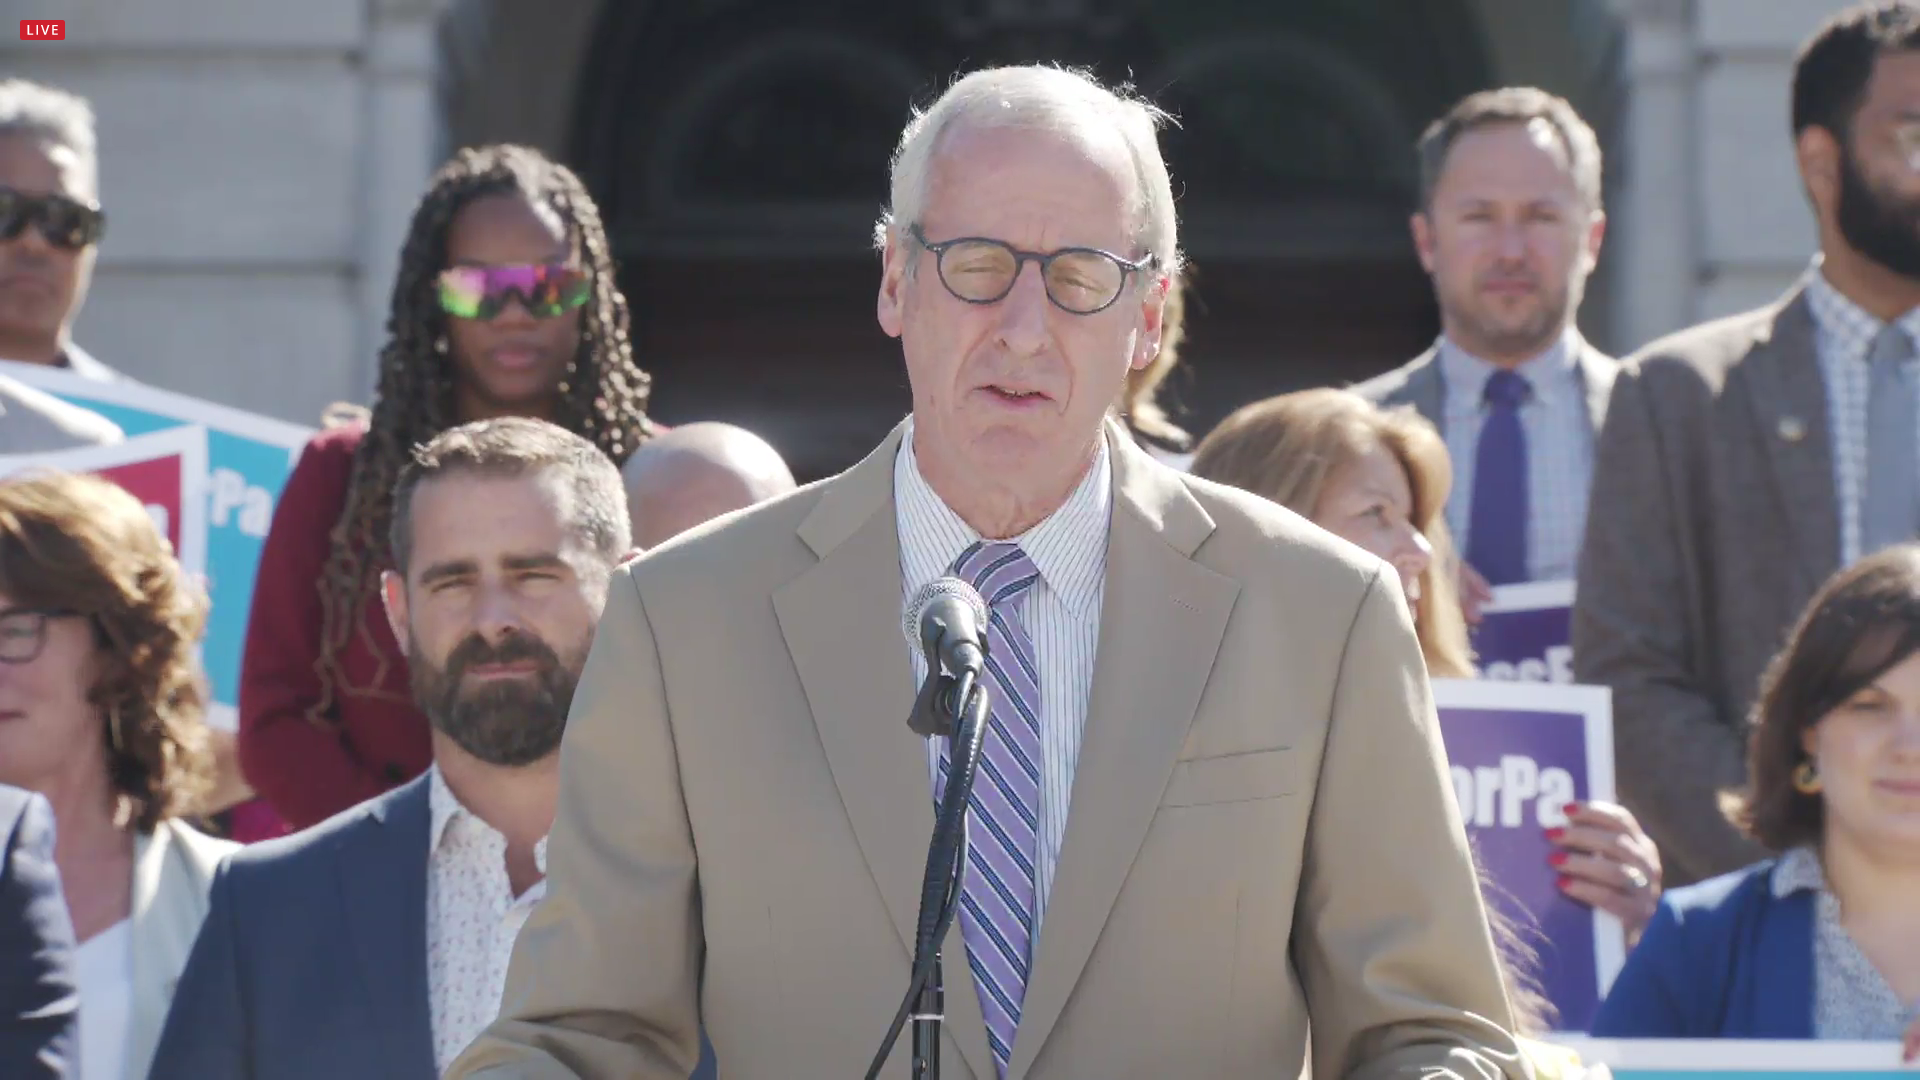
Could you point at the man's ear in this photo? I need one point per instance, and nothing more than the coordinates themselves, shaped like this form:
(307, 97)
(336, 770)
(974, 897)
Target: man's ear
(893, 281)
(393, 597)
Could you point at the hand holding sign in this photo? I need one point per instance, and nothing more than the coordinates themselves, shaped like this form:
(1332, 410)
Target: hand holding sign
(1607, 862)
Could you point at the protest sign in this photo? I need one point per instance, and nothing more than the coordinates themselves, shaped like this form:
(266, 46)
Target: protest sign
(1740, 1059)
(1519, 753)
(248, 458)
(1525, 633)
(165, 471)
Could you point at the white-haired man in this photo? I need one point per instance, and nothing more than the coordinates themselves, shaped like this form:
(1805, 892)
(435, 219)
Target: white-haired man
(1261, 838)
(50, 225)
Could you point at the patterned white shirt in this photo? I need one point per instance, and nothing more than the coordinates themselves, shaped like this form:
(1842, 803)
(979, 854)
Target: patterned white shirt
(1559, 432)
(1851, 999)
(1843, 338)
(472, 919)
(1062, 615)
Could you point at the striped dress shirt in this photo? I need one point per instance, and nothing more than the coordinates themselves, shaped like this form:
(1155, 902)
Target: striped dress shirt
(1559, 434)
(1843, 336)
(1062, 615)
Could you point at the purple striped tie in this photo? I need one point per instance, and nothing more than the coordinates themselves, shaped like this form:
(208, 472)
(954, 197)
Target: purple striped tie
(1003, 819)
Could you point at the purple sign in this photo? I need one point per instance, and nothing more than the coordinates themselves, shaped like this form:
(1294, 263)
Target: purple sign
(1525, 633)
(1519, 754)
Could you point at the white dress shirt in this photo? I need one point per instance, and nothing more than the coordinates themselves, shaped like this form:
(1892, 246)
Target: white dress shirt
(1559, 432)
(472, 919)
(1062, 614)
(1843, 337)
(103, 972)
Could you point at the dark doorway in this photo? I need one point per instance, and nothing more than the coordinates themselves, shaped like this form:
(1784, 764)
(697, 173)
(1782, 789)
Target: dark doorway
(739, 149)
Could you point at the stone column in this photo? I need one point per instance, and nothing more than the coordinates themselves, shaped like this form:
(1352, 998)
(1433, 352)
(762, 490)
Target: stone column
(401, 147)
(1653, 231)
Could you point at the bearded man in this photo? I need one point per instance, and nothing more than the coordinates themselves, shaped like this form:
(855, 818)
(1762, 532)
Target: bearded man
(376, 944)
(1747, 459)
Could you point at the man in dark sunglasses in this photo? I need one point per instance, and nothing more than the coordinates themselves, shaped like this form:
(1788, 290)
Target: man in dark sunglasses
(50, 225)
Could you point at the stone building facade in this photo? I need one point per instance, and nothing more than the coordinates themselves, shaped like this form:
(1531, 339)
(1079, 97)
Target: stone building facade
(260, 159)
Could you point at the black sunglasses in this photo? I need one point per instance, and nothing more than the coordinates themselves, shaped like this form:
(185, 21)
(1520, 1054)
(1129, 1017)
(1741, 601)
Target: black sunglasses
(979, 270)
(66, 223)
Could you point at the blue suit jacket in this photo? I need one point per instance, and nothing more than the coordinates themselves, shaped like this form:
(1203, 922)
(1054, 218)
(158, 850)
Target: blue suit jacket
(1724, 959)
(312, 964)
(39, 1003)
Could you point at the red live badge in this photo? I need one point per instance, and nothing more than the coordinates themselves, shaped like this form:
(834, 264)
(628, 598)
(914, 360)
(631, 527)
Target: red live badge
(43, 29)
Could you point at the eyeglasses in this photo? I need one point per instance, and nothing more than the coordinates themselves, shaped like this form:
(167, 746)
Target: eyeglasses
(544, 289)
(23, 633)
(1083, 281)
(66, 223)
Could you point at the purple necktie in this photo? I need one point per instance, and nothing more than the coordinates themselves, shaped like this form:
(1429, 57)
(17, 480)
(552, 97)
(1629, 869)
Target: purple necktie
(1003, 816)
(1497, 520)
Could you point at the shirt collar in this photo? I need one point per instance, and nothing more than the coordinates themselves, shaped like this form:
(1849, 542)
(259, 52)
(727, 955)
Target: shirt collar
(1058, 546)
(1798, 870)
(1842, 320)
(82, 363)
(1546, 374)
(444, 808)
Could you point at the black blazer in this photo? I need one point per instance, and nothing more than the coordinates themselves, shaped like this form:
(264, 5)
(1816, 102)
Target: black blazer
(39, 1002)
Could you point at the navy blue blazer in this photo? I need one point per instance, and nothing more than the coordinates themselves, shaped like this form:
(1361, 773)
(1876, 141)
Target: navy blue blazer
(1724, 959)
(39, 1001)
(312, 963)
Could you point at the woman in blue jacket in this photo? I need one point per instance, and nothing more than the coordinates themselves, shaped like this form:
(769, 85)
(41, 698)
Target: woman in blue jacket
(1823, 941)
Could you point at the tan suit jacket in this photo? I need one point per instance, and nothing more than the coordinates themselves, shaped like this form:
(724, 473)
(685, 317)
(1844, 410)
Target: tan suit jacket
(1262, 824)
(1713, 521)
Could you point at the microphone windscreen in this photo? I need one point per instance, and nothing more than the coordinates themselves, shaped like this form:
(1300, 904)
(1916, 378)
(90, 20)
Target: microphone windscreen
(934, 591)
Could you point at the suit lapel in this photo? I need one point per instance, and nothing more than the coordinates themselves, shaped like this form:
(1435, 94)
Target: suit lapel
(1427, 389)
(1161, 613)
(1788, 398)
(841, 622)
(383, 887)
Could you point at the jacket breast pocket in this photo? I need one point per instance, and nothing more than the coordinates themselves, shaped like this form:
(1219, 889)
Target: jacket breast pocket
(1229, 778)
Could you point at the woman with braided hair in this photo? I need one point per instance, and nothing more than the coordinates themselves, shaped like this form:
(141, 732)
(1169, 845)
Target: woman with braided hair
(505, 304)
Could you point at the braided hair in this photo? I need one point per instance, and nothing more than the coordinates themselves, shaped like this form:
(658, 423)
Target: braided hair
(603, 396)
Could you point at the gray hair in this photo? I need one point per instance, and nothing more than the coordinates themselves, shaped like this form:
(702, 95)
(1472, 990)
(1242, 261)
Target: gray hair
(1050, 99)
(59, 117)
(1512, 105)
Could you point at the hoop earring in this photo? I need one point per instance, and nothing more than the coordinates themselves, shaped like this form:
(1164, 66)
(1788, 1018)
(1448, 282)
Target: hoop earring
(1806, 778)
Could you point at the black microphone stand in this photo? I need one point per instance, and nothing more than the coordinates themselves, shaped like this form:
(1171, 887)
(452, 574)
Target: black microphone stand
(957, 706)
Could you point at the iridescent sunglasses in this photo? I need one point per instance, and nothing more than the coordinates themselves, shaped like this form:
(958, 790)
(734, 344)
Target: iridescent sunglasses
(544, 289)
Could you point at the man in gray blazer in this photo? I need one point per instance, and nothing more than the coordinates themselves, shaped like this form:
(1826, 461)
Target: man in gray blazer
(1509, 226)
(1745, 460)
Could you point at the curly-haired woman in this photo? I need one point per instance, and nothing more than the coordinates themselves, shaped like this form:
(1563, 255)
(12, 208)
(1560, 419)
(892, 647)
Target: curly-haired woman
(505, 304)
(101, 712)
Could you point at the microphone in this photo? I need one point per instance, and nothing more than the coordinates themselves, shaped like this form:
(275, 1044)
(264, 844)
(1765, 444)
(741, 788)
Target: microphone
(947, 620)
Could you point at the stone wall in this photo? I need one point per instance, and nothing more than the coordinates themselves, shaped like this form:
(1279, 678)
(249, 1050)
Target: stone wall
(258, 161)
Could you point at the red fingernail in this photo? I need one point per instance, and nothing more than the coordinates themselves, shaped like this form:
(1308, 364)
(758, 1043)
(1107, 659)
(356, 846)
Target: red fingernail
(1558, 858)
(1570, 809)
(1554, 835)
(1563, 881)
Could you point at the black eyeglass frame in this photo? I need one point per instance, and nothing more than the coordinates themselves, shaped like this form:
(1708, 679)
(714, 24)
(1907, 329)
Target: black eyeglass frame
(41, 617)
(1020, 261)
